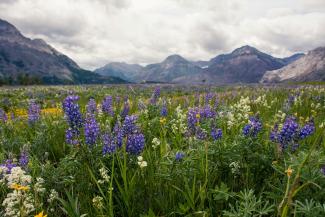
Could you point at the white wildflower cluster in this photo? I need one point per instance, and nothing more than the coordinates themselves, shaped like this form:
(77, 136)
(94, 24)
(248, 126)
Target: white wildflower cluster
(18, 202)
(235, 168)
(17, 176)
(298, 100)
(239, 112)
(98, 202)
(53, 196)
(261, 100)
(104, 175)
(39, 185)
(142, 163)
(179, 124)
(155, 143)
(280, 117)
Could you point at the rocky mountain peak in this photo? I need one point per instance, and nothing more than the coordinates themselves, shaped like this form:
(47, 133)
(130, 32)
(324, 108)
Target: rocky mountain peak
(244, 50)
(175, 58)
(8, 31)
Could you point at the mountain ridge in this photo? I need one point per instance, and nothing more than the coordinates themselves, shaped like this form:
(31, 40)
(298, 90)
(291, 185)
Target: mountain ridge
(27, 61)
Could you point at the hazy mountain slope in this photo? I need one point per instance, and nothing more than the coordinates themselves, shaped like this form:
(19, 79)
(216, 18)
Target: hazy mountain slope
(122, 70)
(310, 67)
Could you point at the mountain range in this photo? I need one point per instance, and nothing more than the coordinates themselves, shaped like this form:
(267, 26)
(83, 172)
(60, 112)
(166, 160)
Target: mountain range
(244, 65)
(29, 61)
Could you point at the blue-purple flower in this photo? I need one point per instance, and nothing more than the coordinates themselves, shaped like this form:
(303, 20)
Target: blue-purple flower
(307, 130)
(129, 125)
(155, 95)
(91, 106)
(72, 112)
(253, 127)
(34, 112)
(216, 133)
(92, 130)
(291, 133)
(179, 156)
(125, 110)
(107, 106)
(135, 143)
(109, 145)
(8, 165)
(163, 111)
(3, 116)
(72, 136)
(23, 159)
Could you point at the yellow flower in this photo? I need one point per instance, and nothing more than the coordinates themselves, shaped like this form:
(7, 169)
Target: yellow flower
(162, 121)
(19, 187)
(289, 171)
(51, 111)
(198, 116)
(41, 214)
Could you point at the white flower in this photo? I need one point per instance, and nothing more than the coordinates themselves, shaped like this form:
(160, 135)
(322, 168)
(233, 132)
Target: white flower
(98, 202)
(104, 174)
(155, 142)
(53, 196)
(142, 164)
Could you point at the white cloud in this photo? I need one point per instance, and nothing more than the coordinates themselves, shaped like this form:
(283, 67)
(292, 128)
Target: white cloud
(94, 32)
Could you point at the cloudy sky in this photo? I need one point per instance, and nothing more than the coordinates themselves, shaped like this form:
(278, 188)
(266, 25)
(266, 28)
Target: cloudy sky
(95, 32)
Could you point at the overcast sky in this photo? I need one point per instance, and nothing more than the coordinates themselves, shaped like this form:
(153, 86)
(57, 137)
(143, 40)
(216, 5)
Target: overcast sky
(95, 32)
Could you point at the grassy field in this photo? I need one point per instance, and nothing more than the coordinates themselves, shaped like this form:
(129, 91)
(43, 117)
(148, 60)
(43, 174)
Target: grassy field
(168, 150)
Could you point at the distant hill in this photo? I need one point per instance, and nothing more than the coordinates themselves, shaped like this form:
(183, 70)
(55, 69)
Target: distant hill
(310, 67)
(129, 72)
(27, 61)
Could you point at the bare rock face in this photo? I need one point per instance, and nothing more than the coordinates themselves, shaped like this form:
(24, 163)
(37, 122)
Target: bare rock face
(310, 67)
(20, 55)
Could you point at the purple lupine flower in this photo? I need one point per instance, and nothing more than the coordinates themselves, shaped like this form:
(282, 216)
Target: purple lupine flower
(107, 105)
(208, 97)
(274, 133)
(294, 147)
(207, 112)
(91, 106)
(200, 134)
(8, 165)
(192, 119)
(163, 111)
(288, 131)
(91, 130)
(179, 156)
(3, 116)
(23, 159)
(216, 133)
(72, 136)
(126, 110)
(307, 130)
(253, 127)
(135, 143)
(34, 112)
(72, 112)
(129, 125)
(155, 95)
(109, 145)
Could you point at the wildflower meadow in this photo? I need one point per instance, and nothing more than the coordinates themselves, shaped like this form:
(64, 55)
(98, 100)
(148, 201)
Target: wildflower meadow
(162, 150)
